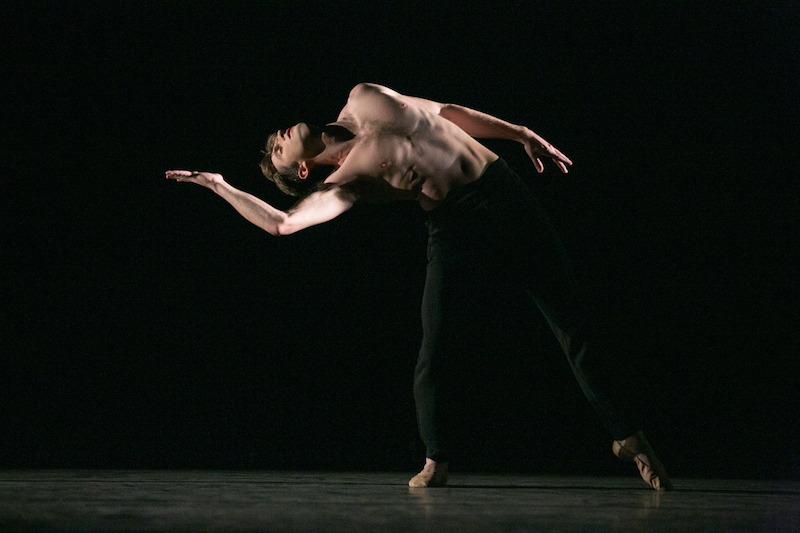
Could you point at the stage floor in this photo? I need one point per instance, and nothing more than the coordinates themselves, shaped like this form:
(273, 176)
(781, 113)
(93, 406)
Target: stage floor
(353, 501)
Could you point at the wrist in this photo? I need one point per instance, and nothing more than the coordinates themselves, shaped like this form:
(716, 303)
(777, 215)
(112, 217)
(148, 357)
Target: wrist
(216, 182)
(525, 134)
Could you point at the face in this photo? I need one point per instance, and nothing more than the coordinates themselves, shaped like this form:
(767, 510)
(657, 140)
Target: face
(295, 144)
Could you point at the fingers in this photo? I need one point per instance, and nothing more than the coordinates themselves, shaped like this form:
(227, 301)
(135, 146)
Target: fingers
(555, 153)
(180, 175)
(174, 174)
(548, 150)
(560, 160)
(564, 160)
(561, 157)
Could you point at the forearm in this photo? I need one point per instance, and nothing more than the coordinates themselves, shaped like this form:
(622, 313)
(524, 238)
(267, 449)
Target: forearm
(481, 125)
(253, 209)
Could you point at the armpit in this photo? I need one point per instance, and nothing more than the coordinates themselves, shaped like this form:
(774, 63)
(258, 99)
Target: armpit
(370, 190)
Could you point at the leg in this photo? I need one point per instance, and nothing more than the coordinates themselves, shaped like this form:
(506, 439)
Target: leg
(429, 374)
(555, 292)
(445, 310)
(629, 444)
(550, 282)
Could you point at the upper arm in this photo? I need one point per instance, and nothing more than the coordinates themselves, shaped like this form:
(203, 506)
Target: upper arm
(316, 208)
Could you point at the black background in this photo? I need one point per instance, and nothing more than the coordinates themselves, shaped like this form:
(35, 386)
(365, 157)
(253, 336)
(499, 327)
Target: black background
(146, 325)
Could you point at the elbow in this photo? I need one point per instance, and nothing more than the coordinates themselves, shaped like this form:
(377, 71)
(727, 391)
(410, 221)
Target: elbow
(283, 228)
(281, 225)
(274, 227)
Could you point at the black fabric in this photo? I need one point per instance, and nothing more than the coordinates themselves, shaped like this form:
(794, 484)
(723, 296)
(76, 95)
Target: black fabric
(495, 227)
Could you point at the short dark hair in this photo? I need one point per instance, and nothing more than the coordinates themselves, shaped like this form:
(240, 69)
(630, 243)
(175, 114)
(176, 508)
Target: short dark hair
(289, 181)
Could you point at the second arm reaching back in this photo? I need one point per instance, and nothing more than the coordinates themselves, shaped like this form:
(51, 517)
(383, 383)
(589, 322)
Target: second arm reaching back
(482, 125)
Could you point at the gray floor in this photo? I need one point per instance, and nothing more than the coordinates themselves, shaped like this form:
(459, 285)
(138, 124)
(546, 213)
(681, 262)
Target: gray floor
(291, 501)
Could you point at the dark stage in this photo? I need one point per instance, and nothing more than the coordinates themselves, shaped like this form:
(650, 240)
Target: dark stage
(155, 343)
(355, 501)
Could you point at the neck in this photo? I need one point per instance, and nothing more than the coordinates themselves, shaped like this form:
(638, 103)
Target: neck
(334, 154)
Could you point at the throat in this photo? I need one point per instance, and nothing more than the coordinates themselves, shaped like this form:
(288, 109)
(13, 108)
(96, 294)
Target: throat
(336, 152)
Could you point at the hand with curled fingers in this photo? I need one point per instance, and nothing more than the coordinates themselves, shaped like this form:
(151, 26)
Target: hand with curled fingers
(538, 148)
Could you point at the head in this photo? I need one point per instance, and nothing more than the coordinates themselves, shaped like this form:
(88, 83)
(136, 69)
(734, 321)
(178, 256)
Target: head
(289, 160)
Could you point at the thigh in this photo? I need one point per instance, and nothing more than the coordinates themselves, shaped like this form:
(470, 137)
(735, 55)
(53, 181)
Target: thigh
(448, 302)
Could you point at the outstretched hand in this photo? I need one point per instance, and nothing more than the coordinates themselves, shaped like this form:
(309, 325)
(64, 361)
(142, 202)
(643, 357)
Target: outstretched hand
(538, 148)
(206, 179)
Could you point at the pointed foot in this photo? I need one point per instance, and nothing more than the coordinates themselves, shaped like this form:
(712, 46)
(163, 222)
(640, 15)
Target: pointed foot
(636, 449)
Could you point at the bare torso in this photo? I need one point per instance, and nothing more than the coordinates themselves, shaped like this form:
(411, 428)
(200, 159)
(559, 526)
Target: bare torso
(419, 154)
(395, 147)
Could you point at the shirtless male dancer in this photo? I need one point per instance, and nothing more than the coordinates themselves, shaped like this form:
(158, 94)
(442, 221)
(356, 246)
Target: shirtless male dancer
(386, 146)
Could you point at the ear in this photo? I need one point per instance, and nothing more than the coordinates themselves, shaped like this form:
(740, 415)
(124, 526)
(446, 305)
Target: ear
(303, 169)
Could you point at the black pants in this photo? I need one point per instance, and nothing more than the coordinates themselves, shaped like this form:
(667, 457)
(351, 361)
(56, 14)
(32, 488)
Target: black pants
(495, 225)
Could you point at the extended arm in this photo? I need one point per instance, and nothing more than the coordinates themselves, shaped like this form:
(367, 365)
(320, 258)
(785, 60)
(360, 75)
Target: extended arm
(315, 209)
(478, 124)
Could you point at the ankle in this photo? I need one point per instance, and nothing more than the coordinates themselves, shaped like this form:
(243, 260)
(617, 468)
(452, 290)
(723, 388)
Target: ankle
(630, 446)
(432, 466)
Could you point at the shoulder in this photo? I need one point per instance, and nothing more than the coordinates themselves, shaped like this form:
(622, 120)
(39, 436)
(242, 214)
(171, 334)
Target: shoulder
(373, 94)
(364, 89)
(373, 90)
(373, 107)
(362, 102)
